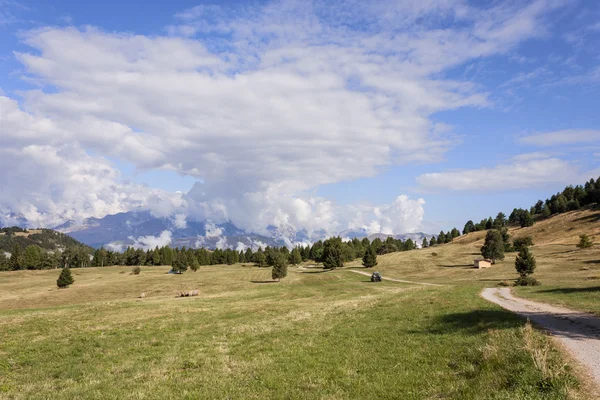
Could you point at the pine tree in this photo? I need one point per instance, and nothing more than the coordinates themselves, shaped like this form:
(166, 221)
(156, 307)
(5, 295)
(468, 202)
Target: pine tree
(295, 257)
(493, 247)
(194, 266)
(584, 242)
(526, 219)
(432, 242)
(332, 253)
(370, 258)
(469, 227)
(259, 259)
(65, 279)
(279, 270)
(424, 244)
(525, 262)
(16, 258)
(441, 239)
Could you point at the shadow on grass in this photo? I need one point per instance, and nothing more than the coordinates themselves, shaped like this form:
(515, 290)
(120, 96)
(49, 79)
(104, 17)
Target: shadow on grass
(590, 218)
(320, 271)
(263, 281)
(473, 322)
(591, 289)
(592, 262)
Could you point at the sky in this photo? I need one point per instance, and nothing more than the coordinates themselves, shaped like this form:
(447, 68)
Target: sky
(385, 116)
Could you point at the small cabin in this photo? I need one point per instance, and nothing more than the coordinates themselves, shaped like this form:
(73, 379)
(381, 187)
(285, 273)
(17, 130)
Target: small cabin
(482, 263)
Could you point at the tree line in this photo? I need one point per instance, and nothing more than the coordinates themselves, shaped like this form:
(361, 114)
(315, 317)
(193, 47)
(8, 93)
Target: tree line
(570, 199)
(333, 253)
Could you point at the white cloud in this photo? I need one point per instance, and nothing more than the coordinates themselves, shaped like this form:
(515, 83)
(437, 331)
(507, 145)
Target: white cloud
(564, 137)
(179, 221)
(150, 242)
(291, 96)
(521, 174)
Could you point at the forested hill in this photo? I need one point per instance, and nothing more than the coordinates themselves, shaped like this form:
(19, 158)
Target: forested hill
(47, 239)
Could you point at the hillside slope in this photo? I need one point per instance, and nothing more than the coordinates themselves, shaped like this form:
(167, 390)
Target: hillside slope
(570, 277)
(47, 239)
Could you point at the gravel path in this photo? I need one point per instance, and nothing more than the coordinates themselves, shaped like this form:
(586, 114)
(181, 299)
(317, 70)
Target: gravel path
(395, 280)
(577, 331)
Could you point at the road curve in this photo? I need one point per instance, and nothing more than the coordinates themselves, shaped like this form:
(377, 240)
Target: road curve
(578, 332)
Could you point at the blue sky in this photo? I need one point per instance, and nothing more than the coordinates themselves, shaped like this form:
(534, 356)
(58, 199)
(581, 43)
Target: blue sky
(314, 115)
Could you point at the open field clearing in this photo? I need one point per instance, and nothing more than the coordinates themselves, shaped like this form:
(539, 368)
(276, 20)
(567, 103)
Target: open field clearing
(314, 335)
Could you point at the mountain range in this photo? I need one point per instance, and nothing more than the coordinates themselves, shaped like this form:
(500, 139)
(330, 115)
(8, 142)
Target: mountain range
(143, 229)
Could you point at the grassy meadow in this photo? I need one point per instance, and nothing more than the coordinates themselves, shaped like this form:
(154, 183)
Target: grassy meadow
(314, 335)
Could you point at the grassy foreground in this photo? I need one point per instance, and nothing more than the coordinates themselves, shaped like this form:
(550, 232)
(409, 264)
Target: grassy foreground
(315, 335)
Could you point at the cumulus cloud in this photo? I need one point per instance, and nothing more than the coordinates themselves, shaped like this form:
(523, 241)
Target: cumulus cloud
(150, 242)
(524, 172)
(288, 96)
(179, 220)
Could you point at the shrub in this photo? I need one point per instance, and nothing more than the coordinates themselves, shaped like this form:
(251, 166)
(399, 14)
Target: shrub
(65, 279)
(584, 242)
(434, 254)
(136, 270)
(527, 281)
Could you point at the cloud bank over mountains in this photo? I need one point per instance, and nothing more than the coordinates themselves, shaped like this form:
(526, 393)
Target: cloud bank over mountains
(260, 105)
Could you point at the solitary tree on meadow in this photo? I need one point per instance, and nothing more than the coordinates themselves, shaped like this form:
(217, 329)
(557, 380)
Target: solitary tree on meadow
(279, 266)
(525, 265)
(493, 248)
(65, 278)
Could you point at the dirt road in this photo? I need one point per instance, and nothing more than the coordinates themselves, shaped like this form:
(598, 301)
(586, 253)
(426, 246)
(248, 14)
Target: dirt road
(396, 280)
(577, 331)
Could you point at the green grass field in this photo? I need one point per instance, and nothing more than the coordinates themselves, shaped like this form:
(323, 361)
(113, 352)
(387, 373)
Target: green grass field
(314, 335)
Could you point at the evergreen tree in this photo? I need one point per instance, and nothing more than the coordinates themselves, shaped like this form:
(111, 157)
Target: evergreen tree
(546, 211)
(424, 244)
(50, 261)
(526, 219)
(259, 259)
(469, 227)
(521, 242)
(279, 270)
(32, 259)
(499, 221)
(16, 258)
(432, 242)
(409, 245)
(194, 266)
(493, 247)
(4, 262)
(489, 224)
(454, 233)
(370, 258)
(65, 279)
(441, 239)
(332, 253)
(525, 262)
(506, 239)
(584, 242)
(295, 257)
